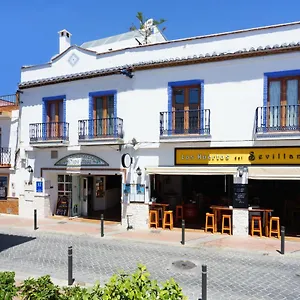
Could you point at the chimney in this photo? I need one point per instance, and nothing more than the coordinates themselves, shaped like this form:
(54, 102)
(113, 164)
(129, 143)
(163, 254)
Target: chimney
(64, 40)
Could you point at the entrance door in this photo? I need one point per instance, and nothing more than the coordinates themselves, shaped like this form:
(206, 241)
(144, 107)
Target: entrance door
(84, 196)
(75, 196)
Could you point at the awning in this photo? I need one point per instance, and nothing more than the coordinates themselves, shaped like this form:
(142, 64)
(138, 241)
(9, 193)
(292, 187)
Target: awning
(274, 173)
(203, 170)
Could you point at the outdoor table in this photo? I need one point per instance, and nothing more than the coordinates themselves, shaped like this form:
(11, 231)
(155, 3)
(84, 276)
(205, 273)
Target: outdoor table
(217, 209)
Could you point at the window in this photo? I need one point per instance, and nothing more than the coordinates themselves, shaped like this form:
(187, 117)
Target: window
(55, 126)
(186, 109)
(3, 187)
(283, 102)
(103, 115)
(64, 186)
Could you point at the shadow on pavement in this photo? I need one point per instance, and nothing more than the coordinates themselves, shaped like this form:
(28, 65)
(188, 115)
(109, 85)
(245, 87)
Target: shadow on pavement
(8, 240)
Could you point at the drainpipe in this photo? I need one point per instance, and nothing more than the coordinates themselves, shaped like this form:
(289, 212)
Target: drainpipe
(17, 149)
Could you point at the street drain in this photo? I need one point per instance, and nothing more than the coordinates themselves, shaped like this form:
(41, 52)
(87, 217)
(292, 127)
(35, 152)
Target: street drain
(61, 222)
(184, 264)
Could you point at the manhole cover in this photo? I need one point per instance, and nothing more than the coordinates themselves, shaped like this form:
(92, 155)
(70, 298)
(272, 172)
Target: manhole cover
(61, 222)
(184, 264)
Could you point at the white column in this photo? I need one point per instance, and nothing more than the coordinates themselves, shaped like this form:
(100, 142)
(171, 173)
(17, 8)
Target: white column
(240, 216)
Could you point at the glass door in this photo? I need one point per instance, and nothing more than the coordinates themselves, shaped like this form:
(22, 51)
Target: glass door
(84, 196)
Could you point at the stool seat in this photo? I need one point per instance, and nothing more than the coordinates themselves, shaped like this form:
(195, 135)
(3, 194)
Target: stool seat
(228, 227)
(256, 229)
(179, 212)
(277, 228)
(210, 217)
(153, 218)
(168, 219)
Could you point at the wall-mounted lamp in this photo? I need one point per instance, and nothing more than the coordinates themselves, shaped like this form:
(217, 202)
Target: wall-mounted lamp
(127, 72)
(29, 169)
(138, 171)
(242, 170)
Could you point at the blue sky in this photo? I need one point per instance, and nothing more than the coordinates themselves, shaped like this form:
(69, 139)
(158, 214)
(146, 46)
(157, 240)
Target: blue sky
(28, 29)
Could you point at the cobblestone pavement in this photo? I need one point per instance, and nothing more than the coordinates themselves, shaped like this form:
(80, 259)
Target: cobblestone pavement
(231, 274)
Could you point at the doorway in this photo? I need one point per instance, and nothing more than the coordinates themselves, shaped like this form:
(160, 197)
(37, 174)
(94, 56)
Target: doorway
(101, 194)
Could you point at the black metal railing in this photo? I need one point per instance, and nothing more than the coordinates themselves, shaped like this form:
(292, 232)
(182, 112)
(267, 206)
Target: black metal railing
(9, 100)
(278, 118)
(185, 122)
(51, 131)
(5, 156)
(100, 128)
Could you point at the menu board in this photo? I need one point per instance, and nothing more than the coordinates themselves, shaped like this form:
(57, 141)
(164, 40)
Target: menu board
(62, 206)
(240, 196)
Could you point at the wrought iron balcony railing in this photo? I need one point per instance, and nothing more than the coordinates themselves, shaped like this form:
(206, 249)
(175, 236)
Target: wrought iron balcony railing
(281, 118)
(185, 122)
(100, 128)
(5, 156)
(7, 101)
(52, 131)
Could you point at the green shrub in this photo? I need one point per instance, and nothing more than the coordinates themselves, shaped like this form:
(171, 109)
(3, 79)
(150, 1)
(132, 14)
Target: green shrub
(139, 286)
(39, 289)
(8, 287)
(122, 286)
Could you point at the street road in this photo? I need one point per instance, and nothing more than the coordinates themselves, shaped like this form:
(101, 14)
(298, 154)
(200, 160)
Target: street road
(231, 274)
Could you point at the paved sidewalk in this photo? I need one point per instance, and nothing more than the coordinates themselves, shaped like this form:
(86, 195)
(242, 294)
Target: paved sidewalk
(232, 274)
(193, 238)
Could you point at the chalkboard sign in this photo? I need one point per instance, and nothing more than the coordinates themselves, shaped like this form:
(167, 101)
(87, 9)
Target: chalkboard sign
(240, 196)
(62, 206)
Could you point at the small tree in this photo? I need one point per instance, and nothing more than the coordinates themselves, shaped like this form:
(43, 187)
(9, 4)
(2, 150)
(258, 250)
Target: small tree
(146, 32)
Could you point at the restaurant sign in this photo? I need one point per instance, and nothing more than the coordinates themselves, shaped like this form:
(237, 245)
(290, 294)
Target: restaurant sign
(238, 156)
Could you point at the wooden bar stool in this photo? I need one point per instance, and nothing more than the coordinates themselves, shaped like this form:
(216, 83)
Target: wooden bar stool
(168, 219)
(179, 212)
(256, 229)
(211, 217)
(277, 228)
(160, 213)
(228, 227)
(153, 218)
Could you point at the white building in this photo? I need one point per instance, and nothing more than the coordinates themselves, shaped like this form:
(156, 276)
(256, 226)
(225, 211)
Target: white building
(9, 121)
(194, 106)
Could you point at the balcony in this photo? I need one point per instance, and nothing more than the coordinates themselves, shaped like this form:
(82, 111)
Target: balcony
(5, 156)
(100, 130)
(56, 133)
(185, 124)
(274, 120)
(9, 102)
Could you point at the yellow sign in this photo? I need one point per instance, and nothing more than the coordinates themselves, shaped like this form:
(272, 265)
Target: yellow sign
(238, 156)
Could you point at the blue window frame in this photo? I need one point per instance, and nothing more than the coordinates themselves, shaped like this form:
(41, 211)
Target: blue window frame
(281, 100)
(96, 112)
(46, 101)
(185, 83)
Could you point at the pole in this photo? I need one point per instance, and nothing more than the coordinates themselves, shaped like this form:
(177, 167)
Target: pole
(70, 265)
(282, 233)
(35, 220)
(204, 282)
(102, 225)
(183, 232)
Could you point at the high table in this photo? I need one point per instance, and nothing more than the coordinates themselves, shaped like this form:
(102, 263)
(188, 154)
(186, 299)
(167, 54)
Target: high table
(217, 209)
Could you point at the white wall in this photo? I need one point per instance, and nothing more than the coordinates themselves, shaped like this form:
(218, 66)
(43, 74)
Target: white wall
(232, 91)
(226, 43)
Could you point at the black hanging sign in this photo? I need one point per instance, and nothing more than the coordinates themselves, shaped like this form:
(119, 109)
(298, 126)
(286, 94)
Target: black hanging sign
(240, 196)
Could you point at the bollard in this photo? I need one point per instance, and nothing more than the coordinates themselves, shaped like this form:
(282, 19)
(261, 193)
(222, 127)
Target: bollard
(282, 233)
(183, 232)
(35, 220)
(102, 225)
(70, 265)
(204, 282)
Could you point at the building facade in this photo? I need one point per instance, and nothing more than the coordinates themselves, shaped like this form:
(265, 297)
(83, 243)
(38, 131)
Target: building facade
(9, 138)
(108, 127)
